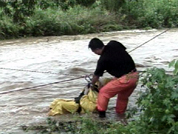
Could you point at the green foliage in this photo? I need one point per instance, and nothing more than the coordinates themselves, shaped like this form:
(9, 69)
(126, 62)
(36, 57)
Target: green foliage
(66, 4)
(53, 126)
(79, 126)
(44, 4)
(2, 3)
(59, 17)
(86, 3)
(79, 20)
(8, 29)
(19, 10)
(112, 5)
(174, 64)
(159, 101)
(42, 23)
(152, 13)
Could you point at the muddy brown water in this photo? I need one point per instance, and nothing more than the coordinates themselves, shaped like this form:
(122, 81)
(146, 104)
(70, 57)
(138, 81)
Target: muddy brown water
(36, 61)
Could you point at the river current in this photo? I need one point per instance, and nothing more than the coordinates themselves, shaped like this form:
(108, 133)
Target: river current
(29, 62)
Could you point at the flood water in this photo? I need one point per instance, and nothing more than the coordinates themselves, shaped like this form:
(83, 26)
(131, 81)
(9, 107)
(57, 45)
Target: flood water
(27, 63)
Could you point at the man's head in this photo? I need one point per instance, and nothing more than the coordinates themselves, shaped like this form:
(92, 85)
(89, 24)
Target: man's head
(96, 45)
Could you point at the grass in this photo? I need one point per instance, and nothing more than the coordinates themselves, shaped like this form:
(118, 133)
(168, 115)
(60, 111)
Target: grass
(52, 21)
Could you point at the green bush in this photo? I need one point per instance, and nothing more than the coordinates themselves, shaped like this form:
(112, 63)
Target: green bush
(151, 13)
(159, 102)
(59, 17)
(8, 29)
(86, 3)
(112, 5)
(19, 10)
(44, 4)
(66, 4)
(78, 21)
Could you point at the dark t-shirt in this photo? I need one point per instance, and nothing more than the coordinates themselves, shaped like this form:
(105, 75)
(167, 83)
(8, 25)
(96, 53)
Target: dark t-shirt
(115, 60)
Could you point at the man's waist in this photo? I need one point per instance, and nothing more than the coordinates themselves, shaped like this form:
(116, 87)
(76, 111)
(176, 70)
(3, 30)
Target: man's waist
(132, 71)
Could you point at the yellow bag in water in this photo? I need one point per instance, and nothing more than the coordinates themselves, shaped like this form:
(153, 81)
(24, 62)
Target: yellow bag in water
(88, 102)
(61, 106)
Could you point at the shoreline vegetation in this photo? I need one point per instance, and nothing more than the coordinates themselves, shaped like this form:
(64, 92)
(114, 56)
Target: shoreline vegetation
(30, 18)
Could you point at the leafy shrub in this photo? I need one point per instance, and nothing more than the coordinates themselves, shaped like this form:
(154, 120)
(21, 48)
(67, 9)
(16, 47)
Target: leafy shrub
(112, 5)
(86, 3)
(159, 102)
(174, 64)
(8, 29)
(151, 13)
(44, 4)
(66, 4)
(69, 17)
(42, 23)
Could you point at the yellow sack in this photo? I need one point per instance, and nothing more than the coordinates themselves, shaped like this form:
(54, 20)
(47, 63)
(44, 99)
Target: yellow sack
(61, 106)
(88, 102)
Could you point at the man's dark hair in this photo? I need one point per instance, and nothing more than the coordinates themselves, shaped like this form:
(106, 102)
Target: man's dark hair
(95, 43)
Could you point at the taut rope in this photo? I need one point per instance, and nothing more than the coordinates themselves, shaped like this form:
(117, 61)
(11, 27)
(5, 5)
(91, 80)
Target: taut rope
(148, 40)
(44, 84)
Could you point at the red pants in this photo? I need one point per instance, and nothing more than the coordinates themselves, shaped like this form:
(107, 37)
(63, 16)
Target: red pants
(123, 87)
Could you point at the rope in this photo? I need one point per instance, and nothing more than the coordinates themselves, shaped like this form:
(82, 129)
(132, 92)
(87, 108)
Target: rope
(148, 41)
(43, 85)
(26, 70)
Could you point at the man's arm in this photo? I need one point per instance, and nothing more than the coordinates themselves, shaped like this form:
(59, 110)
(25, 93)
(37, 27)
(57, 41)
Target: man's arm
(94, 79)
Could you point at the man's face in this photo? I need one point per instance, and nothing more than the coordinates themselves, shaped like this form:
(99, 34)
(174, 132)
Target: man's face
(97, 51)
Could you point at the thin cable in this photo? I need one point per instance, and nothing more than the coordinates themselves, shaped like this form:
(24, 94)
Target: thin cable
(42, 85)
(26, 70)
(148, 41)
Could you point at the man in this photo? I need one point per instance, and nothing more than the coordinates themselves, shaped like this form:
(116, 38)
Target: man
(116, 61)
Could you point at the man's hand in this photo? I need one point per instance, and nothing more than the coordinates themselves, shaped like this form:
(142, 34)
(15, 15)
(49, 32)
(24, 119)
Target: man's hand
(90, 85)
(93, 87)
